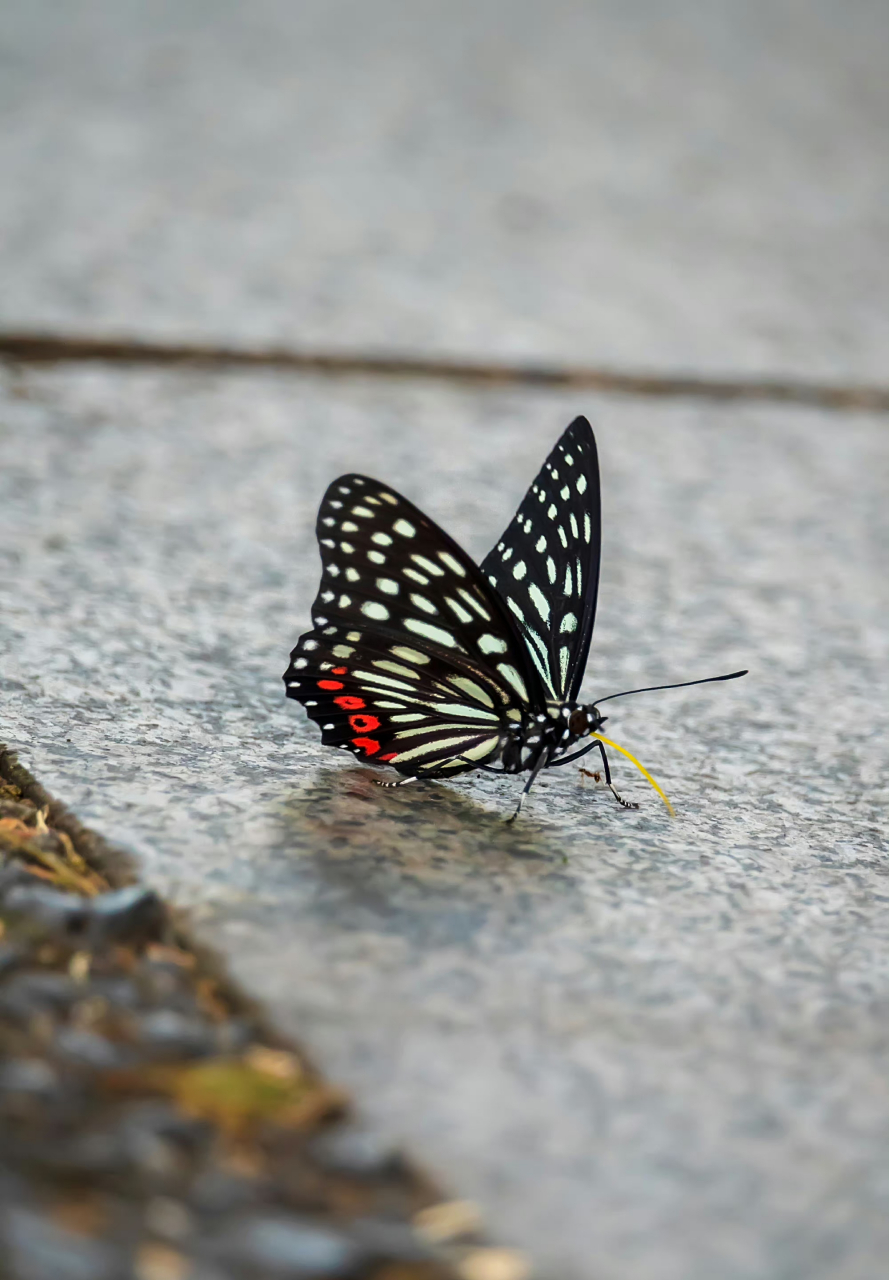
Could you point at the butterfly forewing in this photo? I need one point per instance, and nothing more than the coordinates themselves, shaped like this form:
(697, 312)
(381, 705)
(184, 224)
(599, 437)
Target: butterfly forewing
(412, 660)
(546, 565)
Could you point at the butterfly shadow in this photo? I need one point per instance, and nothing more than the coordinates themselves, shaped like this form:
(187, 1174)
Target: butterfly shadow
(392, 851)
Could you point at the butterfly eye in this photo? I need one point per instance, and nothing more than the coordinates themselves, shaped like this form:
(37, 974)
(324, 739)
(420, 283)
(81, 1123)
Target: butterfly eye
(578, 723)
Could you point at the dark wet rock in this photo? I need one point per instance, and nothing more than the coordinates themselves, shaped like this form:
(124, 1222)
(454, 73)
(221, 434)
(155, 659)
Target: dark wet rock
(25, 994)
(134, 915)
(11, 957)
(119, 991)
(149, 1123)
(233, 1036)
(217, 1191)
(291, 1249)
(99, 1153)
(54, 912)
(167, 1033)
(387, 1238)
(37, 1249)
(353, 1149)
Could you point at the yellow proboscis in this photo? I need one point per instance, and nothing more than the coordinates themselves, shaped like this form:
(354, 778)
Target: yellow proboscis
(640, 767)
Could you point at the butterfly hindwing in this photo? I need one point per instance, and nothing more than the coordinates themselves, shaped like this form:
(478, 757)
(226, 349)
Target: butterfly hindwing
(412, 660)
(545, 567)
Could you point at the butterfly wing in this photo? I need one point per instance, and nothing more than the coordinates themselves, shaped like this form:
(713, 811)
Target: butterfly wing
(546, 565)
(412, 659)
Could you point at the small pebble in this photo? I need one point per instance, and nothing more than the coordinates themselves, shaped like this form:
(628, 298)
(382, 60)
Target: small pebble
(168, 1218)
(354, 1150)
(293, 1250)
(170, 1034)
(85, 1048)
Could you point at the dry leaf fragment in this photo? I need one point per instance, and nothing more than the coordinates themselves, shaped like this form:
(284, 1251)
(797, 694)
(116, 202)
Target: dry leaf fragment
(448, 1220)
(494, 1264)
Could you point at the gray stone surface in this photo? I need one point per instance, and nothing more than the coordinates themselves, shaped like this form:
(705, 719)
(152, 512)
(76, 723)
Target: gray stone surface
(648, 1047)
(683, 186)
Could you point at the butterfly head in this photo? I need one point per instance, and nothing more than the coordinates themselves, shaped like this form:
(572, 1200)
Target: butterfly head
(585, 720)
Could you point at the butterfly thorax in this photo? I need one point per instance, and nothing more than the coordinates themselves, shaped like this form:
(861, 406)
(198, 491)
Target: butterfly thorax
(551, 732)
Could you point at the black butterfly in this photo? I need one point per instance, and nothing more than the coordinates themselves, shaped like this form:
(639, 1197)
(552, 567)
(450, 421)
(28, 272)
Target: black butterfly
(420, 659)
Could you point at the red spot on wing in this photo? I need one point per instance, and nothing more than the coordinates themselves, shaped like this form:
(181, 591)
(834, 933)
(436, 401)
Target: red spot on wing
(330, 684)
(349, 703)
(340, 671)
(370, 745)
(364, 724)
(390, 756)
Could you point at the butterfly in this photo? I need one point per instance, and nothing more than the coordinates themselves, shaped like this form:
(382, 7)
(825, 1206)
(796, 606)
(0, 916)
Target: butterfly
(422, 660)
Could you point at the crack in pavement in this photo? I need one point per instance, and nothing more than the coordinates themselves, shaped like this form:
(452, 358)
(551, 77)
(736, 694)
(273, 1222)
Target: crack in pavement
(50, 348)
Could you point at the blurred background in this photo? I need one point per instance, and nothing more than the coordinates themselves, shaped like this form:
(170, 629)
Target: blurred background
(689, 186)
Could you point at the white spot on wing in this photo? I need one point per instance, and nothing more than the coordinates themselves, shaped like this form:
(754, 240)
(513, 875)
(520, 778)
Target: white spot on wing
(349, 526)
(474, 604)
(381, 539)
(435, 634)
(422, 603)
(376, 557)
(551, 568)
(389, 585)
(352, 575)
(492, 644)
(540, 544)
(541, 604)
(587, 528)
(410, 655)
(581, 484)
(452, 563)
(569, 623)
(404, 527)
(461, 614)
(519, 569)
(429, 565)
(373, 609)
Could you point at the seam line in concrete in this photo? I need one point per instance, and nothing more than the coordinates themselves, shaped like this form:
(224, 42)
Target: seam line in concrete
(50, 348)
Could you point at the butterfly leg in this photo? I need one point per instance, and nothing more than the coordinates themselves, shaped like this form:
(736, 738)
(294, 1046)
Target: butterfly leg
(541, 763)
(627, 804)
(401, 782)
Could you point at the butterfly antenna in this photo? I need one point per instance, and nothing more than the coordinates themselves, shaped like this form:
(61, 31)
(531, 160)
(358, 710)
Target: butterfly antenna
(653, 688)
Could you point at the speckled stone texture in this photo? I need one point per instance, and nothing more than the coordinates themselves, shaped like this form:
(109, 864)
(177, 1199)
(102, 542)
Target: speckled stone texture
(649, 1047)
(691, 186)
